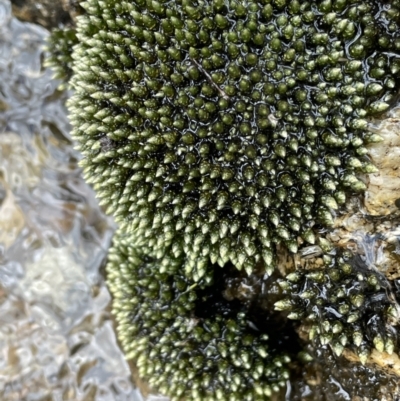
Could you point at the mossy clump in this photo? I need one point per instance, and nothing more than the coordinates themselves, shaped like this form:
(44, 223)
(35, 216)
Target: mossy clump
(184, 355)
(346, 305)
(218, 128)
(59, 46)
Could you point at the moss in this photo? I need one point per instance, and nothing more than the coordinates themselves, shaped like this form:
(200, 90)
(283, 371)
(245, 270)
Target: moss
(346, 305)
(213, 131)
(220, 128)
(185, 347)
(59, 46)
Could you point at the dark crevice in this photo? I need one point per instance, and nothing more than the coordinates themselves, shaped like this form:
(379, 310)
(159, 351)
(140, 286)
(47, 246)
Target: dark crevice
(233, 292)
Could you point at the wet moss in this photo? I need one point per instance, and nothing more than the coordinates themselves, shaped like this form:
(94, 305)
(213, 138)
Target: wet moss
(59, 46)
(214, 131)
(346, 305)
(220, 128)
(187, 342)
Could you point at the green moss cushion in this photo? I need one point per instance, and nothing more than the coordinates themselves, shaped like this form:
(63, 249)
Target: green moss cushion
(220, 128)
(348, 305)
(180, 351)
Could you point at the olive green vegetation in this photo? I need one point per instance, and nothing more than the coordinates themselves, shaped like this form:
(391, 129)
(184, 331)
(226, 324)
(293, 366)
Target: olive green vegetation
(59, 47)
(213, 131)
(218, 128)
(182, 355)
(346, 305)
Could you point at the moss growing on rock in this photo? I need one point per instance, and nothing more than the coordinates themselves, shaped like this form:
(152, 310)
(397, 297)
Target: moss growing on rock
(346, 305)
(218, 128)
(59, 45)
(181, 353)
(213, 130)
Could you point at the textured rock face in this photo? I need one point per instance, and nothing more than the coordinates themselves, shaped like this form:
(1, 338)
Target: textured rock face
(47, 13)
(56, 336)
(384, 185)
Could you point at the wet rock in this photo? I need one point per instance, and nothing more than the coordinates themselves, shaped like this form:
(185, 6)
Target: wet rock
(383, 194)
(329, 378)
(47, 13)
(389, 364)
(56, 337)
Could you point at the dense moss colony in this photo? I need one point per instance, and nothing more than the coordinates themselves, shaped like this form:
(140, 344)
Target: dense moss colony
(346, 305)
(213, 130)
(183, 355)
(59, 46)
(218, 128)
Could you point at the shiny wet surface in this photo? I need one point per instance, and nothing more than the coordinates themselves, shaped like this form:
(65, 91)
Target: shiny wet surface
(56, 336)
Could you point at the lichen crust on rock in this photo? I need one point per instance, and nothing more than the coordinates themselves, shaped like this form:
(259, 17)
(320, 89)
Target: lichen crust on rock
(347, 305)
(218, 128)
(187, 357)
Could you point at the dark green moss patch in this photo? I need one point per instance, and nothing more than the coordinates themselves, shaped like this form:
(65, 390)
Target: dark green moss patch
(219, 128)
(212, 355)
(348, 304)
(59, 45)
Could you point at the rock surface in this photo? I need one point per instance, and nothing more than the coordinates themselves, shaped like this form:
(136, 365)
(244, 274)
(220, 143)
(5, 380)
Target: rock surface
(47, 13)
(56, 335)
(383, 195)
